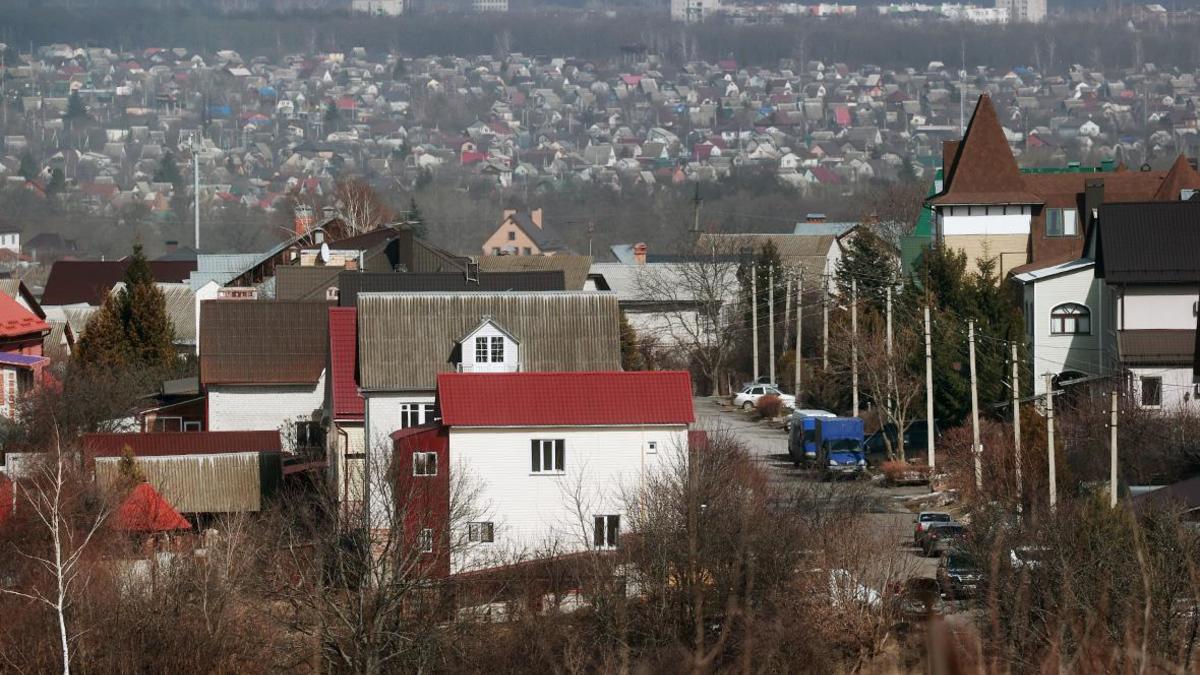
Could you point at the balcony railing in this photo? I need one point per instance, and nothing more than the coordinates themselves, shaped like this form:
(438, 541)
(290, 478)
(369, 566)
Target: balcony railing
(489, 367)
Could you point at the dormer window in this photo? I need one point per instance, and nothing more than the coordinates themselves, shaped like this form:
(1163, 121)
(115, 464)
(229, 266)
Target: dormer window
(489, 348)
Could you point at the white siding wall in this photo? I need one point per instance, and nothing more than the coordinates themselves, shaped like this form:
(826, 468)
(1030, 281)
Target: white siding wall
(263, 407)
(1178, 392)
(382, 419)
(533, 513)
(512, 355)
(1060, 353)
(981, 224)
(1159, 307)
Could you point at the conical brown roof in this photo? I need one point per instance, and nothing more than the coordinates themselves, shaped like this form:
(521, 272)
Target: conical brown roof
(984, 170)
(1181, 177)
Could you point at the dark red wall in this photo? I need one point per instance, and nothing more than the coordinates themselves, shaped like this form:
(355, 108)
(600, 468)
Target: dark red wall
(424, 501)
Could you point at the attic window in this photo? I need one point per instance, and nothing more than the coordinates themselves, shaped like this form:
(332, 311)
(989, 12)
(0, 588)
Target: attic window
(1061, 223)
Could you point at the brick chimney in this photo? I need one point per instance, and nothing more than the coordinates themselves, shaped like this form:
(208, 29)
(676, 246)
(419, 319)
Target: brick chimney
(814, 218)
(506, 214)
(536, 216)
(302, 219)
(172, 246)
(639, 253)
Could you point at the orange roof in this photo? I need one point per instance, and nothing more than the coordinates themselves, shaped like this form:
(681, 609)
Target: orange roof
(15, 320)
(144, 510)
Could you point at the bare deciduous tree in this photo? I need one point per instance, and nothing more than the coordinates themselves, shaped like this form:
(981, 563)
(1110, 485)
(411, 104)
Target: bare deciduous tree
(360, 206)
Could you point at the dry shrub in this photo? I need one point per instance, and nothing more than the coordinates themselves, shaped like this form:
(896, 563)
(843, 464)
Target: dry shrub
(899, 472)
(769, 406)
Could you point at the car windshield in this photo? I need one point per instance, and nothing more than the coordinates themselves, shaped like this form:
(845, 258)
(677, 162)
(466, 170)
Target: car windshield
(844, 445)
(959, 561)
(935, 517)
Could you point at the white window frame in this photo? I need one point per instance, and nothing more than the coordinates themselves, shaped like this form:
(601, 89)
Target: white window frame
(606, 531)
(1068, 222)
(496, 349)
(422, 459)
(415, 414)
(481, 349)
(483, 532)
(194, 425)
(158, 422)
(651, 447)
(1068, 316)
(425, 540)
(552, 451)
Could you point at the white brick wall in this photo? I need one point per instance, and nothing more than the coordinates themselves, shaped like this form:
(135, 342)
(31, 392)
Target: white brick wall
(535, 513)
(263, 407)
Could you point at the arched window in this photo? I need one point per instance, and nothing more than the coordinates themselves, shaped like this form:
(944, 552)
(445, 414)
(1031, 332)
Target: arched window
(1070, 319)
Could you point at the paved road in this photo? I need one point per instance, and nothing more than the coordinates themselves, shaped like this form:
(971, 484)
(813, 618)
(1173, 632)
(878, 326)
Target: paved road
(769, 446)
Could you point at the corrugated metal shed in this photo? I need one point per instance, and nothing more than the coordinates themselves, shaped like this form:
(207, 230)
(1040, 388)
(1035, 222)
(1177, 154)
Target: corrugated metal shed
(229, 483)
(353, 283)
(406, 339)
(249, 342)
(180, 443)
(574, 267)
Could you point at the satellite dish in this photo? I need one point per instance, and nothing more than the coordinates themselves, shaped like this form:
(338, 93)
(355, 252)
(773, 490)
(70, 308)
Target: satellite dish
(324, 254)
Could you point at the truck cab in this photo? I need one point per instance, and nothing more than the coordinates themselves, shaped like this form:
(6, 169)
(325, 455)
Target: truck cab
(839, 442)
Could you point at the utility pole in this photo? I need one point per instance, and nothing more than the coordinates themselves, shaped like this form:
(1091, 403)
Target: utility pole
(799, 332)
(891, 383)
(754, 315)
(1112, 467)
(1016, 401)
(825, 325)
(1050, 438)
(697, 202)
(196, 183)
(975, 449)
(771, 321)
(929, 394)
(854, 341)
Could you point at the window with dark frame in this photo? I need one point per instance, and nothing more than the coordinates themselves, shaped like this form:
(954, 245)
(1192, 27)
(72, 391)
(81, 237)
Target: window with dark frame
(1061, 223)
(425, 540)
(1071, 319)
(1151, 392)
(607, 531)
(483, 533)
(424, 463)
(548, 455)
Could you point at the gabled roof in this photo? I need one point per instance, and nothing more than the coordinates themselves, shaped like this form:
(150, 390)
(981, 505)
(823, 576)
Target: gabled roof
(16, 321)
(253, 342)
(565, 399)
(488, 321)
(546, 237)
(573, 267)
(88, 281)
(1150, 242)
(17, 290)
(983, 169)
(350, 284)
(348, 404)
(406, 339)
(144, 510)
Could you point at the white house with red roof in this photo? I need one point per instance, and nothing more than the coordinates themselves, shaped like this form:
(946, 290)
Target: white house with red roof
(550, 461)
(21, 360)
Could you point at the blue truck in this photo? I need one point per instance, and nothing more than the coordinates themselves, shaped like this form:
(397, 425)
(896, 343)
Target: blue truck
(839, 447)
(802, 435)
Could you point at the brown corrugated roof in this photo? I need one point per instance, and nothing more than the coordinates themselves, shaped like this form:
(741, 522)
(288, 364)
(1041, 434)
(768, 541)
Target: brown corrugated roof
(296, 282)
(574, 267)
(984, 170)
(1181, 177)
(406, 339)
(179, 443)
(1149, 242)
(1157, 347)
(88, 281)
(247, 342)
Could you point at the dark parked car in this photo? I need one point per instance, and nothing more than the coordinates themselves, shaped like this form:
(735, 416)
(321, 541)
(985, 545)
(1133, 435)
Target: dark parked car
(915, 440)
(941, 537)
(959, 575)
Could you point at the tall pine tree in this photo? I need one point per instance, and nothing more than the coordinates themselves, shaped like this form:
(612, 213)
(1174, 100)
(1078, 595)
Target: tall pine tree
(131, 329)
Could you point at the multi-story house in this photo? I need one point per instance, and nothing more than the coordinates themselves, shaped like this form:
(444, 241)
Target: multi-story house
(552, 462)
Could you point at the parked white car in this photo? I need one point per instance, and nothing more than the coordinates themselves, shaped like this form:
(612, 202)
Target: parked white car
(746, 398)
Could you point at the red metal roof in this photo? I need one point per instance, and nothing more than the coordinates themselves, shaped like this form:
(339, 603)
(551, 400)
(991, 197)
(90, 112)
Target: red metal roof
(16, 321)
(343, 354)
(144, 510)
(180, 443)
(565, 399)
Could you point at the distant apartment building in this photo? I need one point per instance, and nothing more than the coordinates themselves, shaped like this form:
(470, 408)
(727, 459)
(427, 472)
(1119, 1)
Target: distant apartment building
(1024, 11)
(490, 5)
(378, 7)
(694, 11)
